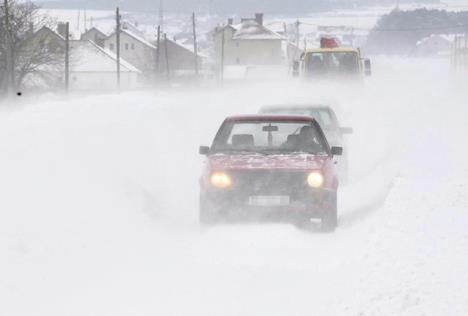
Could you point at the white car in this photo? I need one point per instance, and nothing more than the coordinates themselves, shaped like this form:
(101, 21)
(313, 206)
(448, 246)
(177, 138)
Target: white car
(329, 123)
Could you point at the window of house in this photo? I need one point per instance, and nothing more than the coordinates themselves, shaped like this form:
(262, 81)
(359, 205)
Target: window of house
(238, 60)
(111, 46)
(237, 44)
(126, 46)
(133, 46)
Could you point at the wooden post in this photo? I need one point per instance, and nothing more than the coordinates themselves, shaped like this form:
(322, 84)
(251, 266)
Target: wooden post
(117, 39)
(158, 50)
(67, 56)
(166, 55)
(298, 33)
(85, 22)
(222, 58)
(195, 45)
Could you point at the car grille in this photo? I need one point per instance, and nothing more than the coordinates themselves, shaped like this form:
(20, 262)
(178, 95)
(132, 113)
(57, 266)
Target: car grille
(269, 182)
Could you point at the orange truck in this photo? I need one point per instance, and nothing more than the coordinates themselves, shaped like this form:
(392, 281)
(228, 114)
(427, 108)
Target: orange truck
(332, 61)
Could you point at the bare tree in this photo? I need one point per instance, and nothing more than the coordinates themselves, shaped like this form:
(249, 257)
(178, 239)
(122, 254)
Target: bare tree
(33, 52)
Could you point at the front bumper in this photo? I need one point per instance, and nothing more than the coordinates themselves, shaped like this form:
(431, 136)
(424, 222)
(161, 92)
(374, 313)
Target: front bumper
(237, 204)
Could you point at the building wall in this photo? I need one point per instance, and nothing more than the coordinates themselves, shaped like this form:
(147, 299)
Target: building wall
(433, 46)
(102, 81)
(179, 58)
(133, 51)
(247, 52)
(95, 36)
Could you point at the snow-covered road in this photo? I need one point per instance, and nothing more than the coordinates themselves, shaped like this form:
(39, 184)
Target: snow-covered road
(98, 207)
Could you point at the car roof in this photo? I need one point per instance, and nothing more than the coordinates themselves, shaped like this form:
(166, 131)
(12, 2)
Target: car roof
(269, 117)
(296, 107)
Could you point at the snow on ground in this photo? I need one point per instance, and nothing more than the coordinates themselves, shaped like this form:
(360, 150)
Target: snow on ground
(98, 206)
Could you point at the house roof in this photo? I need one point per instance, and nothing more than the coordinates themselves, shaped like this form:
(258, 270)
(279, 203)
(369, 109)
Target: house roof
(51, 32)
(136, 37)
(187, 48)
(251, 30)
(447, 37)
(89, 57)
(94, 29)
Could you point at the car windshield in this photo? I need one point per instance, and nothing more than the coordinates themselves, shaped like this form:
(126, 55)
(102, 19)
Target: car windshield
(270, 137)
(325, 63)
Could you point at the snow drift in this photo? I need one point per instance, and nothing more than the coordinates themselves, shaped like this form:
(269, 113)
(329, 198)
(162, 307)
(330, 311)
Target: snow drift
(99, 195)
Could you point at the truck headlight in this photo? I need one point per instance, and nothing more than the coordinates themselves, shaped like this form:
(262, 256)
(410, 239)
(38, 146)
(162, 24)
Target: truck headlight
(220, 180)
(315, 179)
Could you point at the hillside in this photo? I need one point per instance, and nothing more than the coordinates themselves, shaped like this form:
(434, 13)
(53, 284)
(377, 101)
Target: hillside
(224, 6)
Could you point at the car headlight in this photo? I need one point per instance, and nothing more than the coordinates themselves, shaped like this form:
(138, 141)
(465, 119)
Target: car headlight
(221, 180)
(315, 179)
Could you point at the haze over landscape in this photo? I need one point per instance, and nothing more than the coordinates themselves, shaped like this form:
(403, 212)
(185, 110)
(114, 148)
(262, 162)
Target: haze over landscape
(102, 181)
(226, 6)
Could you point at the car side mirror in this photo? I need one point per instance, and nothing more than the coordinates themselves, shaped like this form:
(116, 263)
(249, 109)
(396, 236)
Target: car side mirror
(367, 67)
(204, 150)
(346, 130)
(337, 151)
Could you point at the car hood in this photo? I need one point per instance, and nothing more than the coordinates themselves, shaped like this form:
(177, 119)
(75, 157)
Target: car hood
(262, 162)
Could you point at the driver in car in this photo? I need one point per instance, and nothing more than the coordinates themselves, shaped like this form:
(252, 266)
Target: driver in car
(306, 140)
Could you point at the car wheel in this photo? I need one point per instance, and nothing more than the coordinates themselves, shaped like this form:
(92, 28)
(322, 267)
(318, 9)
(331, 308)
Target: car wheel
(330, 216)
(207, 216)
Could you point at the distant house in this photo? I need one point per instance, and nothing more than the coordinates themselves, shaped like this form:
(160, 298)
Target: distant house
(94, 35)
(181, 58)
(434, 45)
(46, 37)
(46, 51)
(93, 68)
(135, 49)
(249, 43)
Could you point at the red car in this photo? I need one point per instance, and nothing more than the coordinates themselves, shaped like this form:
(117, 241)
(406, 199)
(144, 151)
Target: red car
(269, 167)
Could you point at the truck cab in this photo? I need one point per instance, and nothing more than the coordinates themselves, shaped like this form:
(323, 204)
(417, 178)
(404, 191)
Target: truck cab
(331, 61)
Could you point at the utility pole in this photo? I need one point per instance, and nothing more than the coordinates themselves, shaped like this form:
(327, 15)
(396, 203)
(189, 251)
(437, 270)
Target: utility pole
(10, 68)
(78, 20)
(222, 57)
(298, 34)
(161, 15)
(117, 44)
(85, 22)
(67, 56)
(195, 45)
(158, 53)
(166, 54)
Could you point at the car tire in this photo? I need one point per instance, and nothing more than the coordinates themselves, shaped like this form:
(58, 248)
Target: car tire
(330, 216)
(206, 214)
